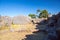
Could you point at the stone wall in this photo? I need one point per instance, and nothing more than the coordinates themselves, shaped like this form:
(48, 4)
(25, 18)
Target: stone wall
(38, 20)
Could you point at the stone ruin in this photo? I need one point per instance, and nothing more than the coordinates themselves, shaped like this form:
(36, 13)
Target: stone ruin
(55, 19)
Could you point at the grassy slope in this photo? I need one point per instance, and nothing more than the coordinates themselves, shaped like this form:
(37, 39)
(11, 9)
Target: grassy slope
(7, 35)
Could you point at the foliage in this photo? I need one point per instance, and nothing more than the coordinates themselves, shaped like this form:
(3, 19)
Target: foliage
(43, 14)
(38, 10)
(32, 15)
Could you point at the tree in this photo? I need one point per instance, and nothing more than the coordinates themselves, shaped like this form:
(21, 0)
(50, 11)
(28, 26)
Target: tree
(43, 14)
(38, 12)
(32, 15)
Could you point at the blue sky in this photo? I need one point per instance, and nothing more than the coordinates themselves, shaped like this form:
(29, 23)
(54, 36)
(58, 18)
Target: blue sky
(24, 7)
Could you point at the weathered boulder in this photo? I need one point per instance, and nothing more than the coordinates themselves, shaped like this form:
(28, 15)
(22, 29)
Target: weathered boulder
(39, 20)
(21, 20)
(5, 21)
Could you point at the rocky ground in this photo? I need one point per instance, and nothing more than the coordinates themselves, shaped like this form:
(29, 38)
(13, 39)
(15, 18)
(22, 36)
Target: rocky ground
(37, 35)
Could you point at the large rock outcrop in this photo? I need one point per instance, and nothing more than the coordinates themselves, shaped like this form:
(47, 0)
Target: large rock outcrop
(21, 20)
(5, 21)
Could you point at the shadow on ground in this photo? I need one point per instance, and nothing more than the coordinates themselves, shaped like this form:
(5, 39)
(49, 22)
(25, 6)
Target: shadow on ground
(41, 34)
(38, 35)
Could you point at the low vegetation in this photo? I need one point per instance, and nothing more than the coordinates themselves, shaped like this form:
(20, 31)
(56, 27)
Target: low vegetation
(41, 14)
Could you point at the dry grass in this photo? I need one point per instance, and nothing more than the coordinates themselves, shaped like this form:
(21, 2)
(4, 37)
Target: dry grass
(13, 35)
(16, 35)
